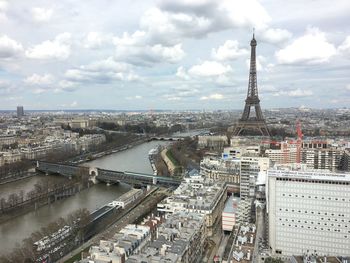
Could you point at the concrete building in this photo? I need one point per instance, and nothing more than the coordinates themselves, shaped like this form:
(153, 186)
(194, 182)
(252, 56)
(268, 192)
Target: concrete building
(217, 142)
(308, 212)
(322, 158)
(7, 139)
(203, 197)
(345, 161)
(181, 238)
(20, 111)
(131, 239)
(241, 150)
(221, 169)
(11, 156)
(79, 123)
(250, 169)
(287, 153)
(242, 248)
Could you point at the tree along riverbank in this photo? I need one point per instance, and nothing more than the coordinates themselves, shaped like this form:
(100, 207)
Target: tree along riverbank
(43, 193)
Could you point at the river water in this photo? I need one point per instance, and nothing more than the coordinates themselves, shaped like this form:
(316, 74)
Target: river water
(15, 230)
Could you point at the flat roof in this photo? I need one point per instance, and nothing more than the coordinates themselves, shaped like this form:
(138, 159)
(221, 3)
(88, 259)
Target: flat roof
(229, 208)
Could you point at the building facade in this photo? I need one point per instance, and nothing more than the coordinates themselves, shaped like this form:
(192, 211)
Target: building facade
(308, 212)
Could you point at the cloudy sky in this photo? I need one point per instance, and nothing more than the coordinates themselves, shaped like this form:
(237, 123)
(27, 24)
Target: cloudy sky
(172, 54)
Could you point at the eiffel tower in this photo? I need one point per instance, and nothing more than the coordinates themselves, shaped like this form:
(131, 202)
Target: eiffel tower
(248, 122)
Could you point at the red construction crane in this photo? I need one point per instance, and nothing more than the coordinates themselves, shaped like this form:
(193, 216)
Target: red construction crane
(299, 141)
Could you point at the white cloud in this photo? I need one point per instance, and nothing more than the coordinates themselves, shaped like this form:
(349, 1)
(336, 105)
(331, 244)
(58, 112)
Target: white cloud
(9, 47)
(41, 14)
(3, 9)
(103, 71)
(74, 104)
(300, 93)
(136, 97)
(170, 27)
(171, 21)
(248, 13)
(181, 73)
(215, 96)
(345, 46)
(209, 69)
(138, 38)
(59, 48)
(6, 87)
(228, 51)
(3, 5)
(296, 93)
(169, 54)
(148, 55)
(96, 40)
(36, 79)
(172, 98)
(311, 48)
(275, 35)
(66, 85)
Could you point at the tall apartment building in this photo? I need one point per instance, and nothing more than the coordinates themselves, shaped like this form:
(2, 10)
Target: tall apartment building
(250, 168)
(20, 111)
(308, 212)
(345, 161)
(320, 154)
(322, 158)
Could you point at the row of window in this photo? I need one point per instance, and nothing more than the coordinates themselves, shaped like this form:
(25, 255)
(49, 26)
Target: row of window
(312, 181)
(316, 197)
(311, 222)
(312, 212)
(316, 228)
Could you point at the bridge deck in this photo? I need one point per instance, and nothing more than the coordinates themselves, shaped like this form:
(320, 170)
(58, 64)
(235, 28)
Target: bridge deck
(107, 175)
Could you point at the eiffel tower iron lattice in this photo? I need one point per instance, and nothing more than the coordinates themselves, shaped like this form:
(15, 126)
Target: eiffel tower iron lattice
(247, 121)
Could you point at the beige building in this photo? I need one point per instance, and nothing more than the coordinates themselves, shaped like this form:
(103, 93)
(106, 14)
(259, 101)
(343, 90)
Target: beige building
(199, 196)
(221, 169)
(180, 239)
(213, 142)
(288, 153)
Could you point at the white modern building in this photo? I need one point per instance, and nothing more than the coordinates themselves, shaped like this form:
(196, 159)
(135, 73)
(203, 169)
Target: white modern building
(308, 212)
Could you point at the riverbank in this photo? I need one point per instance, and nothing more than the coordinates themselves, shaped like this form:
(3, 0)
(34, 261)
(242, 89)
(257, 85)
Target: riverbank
(94, 156)
(36, 202)
(132, 159)
(11, 179)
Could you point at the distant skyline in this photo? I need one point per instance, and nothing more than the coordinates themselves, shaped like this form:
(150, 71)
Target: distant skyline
(176, 55)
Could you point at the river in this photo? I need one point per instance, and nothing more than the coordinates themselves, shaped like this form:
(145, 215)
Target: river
(14, 231)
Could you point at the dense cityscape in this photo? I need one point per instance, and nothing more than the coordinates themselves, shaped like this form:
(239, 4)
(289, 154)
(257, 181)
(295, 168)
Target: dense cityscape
(207, 175)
